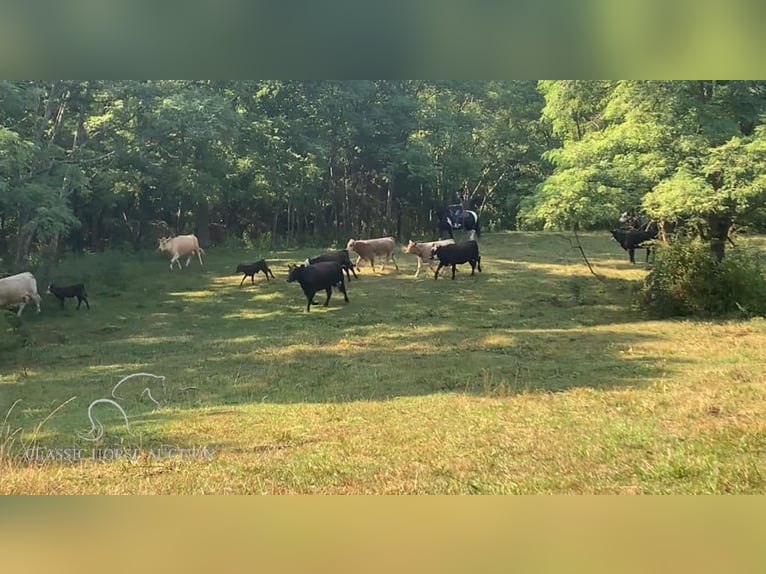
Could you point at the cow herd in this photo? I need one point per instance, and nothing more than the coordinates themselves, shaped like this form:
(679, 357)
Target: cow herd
(324, 272)
(315, 274)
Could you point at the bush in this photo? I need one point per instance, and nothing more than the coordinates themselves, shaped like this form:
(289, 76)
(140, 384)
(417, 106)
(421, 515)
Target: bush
(688, 280)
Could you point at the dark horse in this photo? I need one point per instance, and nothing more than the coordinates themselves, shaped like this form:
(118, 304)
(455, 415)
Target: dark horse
(637, 235)
(455, 217)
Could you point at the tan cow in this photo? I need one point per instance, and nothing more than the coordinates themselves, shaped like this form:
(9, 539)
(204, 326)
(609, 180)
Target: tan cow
(181, 246)
(425, 251)
(20, 288)
(368, 249)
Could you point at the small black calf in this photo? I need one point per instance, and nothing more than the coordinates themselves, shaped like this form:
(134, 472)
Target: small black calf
(314, 278)
(341, 257)
(453, 255)
(70, 291)
(253, 268)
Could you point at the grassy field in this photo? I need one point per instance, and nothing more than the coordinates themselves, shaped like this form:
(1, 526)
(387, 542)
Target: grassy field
(531, 377)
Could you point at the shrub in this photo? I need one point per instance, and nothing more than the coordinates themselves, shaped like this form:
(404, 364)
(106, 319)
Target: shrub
(688, 280)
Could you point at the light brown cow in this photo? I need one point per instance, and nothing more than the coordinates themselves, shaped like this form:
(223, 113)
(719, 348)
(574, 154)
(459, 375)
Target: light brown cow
(425, 251)
(181, 246)
(368, 249)
(20, 288)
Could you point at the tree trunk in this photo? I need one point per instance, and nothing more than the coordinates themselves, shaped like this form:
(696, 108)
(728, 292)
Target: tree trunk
(202, 223)
(274, 228)
(23, 242)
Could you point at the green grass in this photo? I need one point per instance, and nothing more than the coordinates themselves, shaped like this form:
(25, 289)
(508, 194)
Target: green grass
(530, 377)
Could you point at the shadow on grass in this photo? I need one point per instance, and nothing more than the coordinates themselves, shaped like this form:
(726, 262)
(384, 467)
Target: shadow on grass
(532, 322)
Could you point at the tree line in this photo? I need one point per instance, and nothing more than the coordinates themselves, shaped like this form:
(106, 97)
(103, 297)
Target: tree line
(88, 165)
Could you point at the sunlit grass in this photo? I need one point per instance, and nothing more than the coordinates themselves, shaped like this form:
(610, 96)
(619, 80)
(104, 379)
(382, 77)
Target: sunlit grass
(530, 377)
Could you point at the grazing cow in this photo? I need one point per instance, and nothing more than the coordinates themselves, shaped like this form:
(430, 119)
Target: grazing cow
(181, 246)
(453, 255)
(341, 257)
(253, 268)
(425, 251)
(314, 278)
(71, 291)
(21, 289)
(632, 239)
(369, 249)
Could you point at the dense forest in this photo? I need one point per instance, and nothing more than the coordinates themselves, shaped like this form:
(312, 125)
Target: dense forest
(89, 165)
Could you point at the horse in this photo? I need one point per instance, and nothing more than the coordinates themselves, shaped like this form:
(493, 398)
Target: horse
(455, 217)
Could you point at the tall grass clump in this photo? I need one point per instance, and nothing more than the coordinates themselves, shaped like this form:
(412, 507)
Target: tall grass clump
(687, 280)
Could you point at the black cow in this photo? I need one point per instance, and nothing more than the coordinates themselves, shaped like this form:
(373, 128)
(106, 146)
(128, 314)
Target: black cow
(453, 255)
(341, 257)
(253, 268)
(70, 291)
(314, 278)
(632, 239)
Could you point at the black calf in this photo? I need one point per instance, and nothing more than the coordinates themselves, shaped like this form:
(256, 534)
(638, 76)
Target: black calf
(70, 291)
(314, 278)
(252, 269)
(453, 255)
(341, 257)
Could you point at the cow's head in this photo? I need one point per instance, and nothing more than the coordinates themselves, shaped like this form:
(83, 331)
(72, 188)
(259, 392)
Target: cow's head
(410, 245)
(293, 271)
(350, 244)
(162, 243)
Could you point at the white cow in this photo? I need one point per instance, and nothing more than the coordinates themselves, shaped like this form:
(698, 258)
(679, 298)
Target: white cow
(369, 249)
(20, 288)
(425, 251)
(181, 246)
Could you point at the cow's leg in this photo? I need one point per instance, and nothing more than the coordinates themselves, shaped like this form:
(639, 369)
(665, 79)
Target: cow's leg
(372, 263)
(648, 249)
(420, 264)
(86, 302)
(632, 255)
(199, 255)
(358, 259)
(385, 260)
(342, 288)
(473, 267)
(21, 308)
(453, 271)
(393, 258)
(329, 294)
(243, 280)
(478, 263)
(438, 268)
(175, 260)
(188, 260)
(252, 279)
